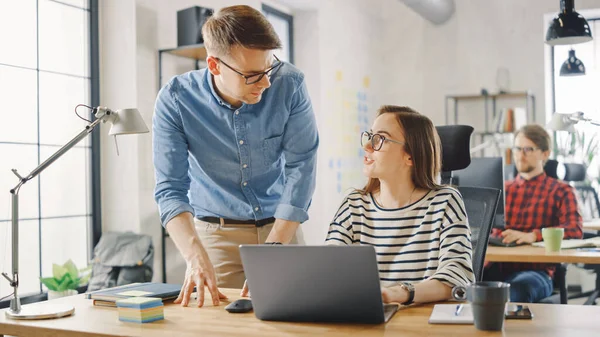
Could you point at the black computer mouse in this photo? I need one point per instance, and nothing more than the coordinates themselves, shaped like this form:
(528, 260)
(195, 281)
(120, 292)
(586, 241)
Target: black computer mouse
(239, 306)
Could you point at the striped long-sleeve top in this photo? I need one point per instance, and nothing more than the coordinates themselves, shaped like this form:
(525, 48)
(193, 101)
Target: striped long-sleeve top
(429, 239)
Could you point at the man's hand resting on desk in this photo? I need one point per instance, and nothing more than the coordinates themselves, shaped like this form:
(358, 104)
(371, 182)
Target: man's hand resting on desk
(200, 271)
(511, 235)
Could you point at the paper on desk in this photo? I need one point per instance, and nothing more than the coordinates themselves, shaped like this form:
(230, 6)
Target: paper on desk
(444, 314)
(574, 243)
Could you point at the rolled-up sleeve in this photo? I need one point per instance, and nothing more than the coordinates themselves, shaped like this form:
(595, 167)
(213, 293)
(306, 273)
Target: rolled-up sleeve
(170, 157)
(300, 142)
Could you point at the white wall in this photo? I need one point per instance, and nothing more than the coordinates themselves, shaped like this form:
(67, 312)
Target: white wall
(463, 55)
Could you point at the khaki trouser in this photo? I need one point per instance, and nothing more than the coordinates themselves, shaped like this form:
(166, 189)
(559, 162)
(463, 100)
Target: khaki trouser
(222, 245)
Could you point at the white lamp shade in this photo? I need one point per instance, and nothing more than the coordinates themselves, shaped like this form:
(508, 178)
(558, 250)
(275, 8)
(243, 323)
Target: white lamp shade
(561, 122)
(127, 121)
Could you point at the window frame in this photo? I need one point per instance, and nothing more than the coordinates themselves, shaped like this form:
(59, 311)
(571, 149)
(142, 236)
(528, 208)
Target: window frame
(290, 20)
(95, 229)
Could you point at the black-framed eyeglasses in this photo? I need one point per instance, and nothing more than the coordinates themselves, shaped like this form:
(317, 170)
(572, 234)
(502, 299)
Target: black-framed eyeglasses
(254, 78)
(376, 140)
(526, 149)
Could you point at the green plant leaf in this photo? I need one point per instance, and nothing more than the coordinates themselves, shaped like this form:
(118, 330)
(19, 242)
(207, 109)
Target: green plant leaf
(58, 271)
(66, 283)
(49, 282)
(71, 269)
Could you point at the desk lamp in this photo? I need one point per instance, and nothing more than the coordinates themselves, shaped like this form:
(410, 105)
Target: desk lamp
(566, 122)
(126, 121)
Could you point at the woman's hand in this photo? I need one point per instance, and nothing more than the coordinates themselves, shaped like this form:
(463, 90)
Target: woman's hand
(395, 294)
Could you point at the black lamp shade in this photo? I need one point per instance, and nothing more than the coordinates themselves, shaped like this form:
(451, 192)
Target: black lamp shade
(572, 66)
(568, 27)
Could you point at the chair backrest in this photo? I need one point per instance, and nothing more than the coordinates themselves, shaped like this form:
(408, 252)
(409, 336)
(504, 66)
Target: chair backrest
(480, 204)
(455, 140)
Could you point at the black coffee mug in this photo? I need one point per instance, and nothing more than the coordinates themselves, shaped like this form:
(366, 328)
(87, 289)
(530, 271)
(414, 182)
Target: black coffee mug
(488, 302)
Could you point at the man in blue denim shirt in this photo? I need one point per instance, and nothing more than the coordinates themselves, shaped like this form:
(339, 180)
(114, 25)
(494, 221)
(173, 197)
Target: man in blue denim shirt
(234, 151)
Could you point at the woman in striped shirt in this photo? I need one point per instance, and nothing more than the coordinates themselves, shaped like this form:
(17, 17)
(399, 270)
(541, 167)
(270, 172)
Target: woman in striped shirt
(419, 228)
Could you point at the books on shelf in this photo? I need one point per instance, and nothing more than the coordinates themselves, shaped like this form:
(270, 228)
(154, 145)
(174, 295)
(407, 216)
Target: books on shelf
(575, 243)
(108, 297)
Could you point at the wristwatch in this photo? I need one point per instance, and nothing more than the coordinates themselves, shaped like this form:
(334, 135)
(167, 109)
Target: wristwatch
(411, 292)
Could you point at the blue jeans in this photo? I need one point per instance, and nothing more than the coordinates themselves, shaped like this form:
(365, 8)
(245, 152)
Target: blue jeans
(527, 286)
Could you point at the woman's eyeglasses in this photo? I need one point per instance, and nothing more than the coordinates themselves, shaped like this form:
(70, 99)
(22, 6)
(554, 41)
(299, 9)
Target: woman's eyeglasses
(254, 78)
(376, 140)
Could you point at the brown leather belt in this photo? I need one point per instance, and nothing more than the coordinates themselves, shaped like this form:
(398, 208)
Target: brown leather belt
(230, 222)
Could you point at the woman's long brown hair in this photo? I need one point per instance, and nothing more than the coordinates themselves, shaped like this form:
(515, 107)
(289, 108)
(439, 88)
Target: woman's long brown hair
(422, 144)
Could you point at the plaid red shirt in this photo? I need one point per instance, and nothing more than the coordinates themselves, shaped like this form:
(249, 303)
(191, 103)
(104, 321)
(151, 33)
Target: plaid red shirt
(536, 203)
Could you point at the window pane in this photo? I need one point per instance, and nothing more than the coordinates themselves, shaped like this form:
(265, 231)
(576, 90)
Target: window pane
(59, 95)
(64, 43)
(18, 105)
(18, 32)
(64, 184)
(64, 239)
(29, 259)
(24, 159)
(282, 28)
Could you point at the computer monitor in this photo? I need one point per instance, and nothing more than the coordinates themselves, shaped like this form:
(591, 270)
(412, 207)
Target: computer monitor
(485, 172)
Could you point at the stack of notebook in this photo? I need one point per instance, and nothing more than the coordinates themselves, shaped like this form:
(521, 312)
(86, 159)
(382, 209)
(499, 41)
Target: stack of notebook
(108, 297)
(140, 309)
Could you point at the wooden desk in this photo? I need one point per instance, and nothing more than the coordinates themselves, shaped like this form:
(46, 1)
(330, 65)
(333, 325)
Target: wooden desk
(531, 254)
(593, 225)
(550, 320)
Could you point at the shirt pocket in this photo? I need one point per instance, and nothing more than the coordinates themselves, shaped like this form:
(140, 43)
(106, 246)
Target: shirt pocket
(272, 150)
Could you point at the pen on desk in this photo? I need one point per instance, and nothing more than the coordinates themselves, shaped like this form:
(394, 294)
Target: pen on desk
(458, 309)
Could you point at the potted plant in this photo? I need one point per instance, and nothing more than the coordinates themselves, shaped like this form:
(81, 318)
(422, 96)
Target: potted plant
(65, 279)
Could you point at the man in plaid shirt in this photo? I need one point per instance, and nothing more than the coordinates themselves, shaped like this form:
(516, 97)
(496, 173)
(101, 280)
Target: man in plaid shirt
(533, 201)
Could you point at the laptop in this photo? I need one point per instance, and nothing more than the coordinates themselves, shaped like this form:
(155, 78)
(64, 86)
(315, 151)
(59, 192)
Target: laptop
(315, 283)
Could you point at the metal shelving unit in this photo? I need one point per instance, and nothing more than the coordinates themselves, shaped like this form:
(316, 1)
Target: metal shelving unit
(490, 104)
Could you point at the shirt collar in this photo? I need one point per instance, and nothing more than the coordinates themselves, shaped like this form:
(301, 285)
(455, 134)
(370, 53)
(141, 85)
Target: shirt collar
(539, 178)
(211, 84)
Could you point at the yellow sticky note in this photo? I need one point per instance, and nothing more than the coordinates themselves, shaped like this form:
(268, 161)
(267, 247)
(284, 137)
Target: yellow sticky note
(134, 293)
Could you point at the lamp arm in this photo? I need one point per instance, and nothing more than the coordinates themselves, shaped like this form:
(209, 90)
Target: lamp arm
(15, 303)
(88, 129)
(579, 117)
(593, 122)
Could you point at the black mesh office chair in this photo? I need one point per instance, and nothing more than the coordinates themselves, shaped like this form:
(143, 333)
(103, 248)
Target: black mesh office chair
(480, 203)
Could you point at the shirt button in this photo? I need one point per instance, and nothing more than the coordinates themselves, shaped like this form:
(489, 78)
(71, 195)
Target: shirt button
(237, 112)
(245, 165)
(245, 183)
(241, 142)
(256, 208)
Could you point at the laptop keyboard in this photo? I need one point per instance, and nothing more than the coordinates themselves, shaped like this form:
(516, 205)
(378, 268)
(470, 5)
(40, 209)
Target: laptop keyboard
(389, 310)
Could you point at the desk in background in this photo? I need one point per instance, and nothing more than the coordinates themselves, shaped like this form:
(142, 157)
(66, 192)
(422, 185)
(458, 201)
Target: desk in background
(531, 254)
(550, 320)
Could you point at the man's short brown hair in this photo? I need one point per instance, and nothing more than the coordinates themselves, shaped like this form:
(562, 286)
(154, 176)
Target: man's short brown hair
(238, 25)
(537, 134)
